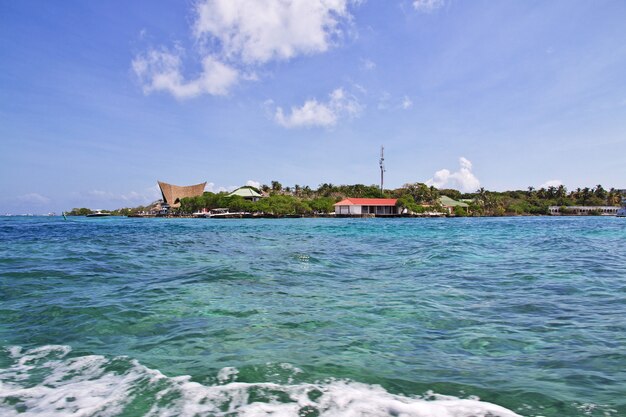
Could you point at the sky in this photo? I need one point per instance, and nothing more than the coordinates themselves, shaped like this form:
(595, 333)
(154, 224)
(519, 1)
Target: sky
(100, 99)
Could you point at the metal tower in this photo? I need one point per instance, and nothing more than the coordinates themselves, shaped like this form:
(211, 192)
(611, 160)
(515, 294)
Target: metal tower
(382, 168)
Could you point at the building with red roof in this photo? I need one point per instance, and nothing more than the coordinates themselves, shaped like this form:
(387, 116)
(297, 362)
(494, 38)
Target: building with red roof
(367, 206)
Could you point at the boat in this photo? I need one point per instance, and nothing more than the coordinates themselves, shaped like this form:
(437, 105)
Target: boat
(622, 211)
(99, 213)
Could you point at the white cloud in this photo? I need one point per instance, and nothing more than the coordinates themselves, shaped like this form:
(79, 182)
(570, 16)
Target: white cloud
(161, 71)
(235, 36)
(427, 6)
(311, 113)
(211, 187)
(359, 88)
(463, 179)
(33, 198)
(263, 30)
(551, 183)
(325, 114)
(255, 184)
(406, 103)
(388, 102)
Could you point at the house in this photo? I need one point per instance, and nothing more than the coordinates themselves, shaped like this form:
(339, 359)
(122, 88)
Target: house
(247, 193)
(367, 206)
(449, 204)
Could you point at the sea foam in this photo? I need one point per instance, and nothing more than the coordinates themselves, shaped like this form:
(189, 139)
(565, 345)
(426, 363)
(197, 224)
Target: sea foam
(48, 381)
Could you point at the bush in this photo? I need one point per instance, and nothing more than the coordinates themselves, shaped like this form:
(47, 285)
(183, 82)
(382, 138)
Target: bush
(460, 211)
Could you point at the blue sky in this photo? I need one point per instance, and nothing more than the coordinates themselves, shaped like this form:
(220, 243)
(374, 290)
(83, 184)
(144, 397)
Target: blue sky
(99, 100)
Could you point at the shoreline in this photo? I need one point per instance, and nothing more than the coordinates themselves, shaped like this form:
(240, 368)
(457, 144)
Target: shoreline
(354, 216)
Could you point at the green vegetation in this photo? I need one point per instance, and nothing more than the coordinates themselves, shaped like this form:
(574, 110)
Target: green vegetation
(460, 211)
(533, 201)
(79, 212)
(275, 204)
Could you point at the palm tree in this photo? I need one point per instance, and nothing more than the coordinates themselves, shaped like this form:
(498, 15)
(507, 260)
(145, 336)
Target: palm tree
(613, 198)
(599, 192)
(325, 189)
(586, 195)
(276, 186)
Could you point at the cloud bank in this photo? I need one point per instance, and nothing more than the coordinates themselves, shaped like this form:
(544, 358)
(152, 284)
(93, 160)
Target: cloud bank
(235, 36)
(463, 179)
(321, 114)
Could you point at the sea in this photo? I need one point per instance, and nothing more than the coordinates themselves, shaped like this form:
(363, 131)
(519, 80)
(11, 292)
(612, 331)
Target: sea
(455, 317)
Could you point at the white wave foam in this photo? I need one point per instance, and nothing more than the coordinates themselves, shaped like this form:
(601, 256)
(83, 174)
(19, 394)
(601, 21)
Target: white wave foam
(227, 374)
(44, 382)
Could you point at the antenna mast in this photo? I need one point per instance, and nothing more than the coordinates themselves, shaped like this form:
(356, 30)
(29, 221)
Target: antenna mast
(382, 167)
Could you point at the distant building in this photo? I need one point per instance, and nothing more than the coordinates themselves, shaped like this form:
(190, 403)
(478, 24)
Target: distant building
(367, 206)
(449, 204)
(247, 193)
(584, 210)
(172, 194)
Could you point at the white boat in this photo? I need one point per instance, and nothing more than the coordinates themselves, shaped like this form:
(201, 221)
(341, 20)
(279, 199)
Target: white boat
(218, 212)
(99, 213)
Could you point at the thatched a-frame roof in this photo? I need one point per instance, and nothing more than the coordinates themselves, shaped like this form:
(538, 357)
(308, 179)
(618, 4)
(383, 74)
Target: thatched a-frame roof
(173, 193)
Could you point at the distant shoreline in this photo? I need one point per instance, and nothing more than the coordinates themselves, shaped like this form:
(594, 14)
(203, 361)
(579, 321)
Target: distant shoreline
(330, 216)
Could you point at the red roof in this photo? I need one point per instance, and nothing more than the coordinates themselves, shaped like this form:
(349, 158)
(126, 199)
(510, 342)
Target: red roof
(367, 202)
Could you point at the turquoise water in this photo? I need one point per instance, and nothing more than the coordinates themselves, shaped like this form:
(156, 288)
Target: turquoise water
(313, 317)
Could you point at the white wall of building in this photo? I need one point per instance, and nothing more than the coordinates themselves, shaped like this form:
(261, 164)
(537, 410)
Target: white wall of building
(358, 210)
(348, 210)
(585, 209)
